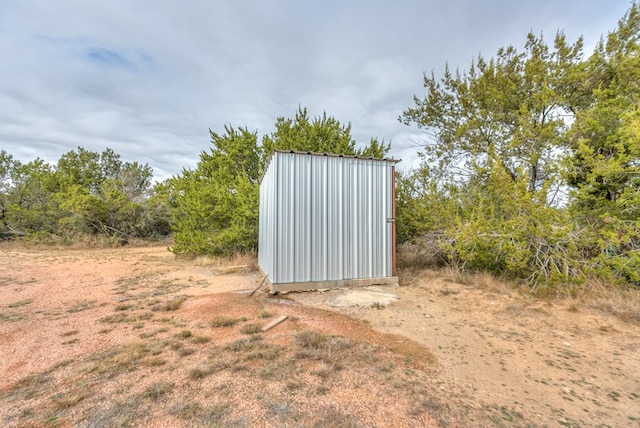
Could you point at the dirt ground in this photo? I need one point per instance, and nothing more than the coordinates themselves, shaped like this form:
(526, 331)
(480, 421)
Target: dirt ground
(135, 337)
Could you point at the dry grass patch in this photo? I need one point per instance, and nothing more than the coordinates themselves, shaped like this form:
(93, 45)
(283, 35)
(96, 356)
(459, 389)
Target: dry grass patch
(458, 276)
(116, 318)
(255, 348)
(421, 254)
(243, 345)
(225, 321)
(331, 417)
(155, 362)
(201, 372)
(124, 359)
(29, 387)
(171, 305)
(624, 304)
(7, 280)
(65, 400)
(265, 351)
(20, 303)
(123, 307)
(488, 282)
(157, 390)
(168, 287)
(11, 316)
(154, 333)
(215, 363)
(621, 302)
(317, 346)
(212, 415)
(82, 305)
(127, 283)
(199, 340)
(185, 352)
(119, 412)
(240, 262)
(265, 314)
(121, 317)
(251, 328)
(185, 409)
(325, 370)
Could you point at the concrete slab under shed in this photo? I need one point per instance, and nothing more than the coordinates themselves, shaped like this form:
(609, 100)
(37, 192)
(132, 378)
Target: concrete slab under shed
(323, 285)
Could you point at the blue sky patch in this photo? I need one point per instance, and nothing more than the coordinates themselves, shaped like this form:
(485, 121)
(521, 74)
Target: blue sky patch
(109, 58)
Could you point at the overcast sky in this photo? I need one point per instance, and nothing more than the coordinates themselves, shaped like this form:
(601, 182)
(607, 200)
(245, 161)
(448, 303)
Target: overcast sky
(149, 78)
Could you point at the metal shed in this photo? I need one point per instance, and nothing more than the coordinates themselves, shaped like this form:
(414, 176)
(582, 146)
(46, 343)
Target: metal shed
(327, 221)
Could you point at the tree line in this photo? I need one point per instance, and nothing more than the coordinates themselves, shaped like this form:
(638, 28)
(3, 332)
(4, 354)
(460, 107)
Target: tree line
(211, 209)
(530, 169)
(84, 193)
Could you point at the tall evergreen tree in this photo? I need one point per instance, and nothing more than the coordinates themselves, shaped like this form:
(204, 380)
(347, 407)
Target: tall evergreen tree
(506, 111)
(323, 134)
(216, 204)
(497, 134)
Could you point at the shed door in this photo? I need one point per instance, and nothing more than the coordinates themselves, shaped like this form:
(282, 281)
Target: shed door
(369, 223)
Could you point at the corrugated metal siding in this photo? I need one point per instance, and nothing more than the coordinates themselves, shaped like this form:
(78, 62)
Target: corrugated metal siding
(267, 226)
(324, 218)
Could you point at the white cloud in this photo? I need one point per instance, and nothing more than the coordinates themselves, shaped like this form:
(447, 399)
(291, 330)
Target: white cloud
(149, 78)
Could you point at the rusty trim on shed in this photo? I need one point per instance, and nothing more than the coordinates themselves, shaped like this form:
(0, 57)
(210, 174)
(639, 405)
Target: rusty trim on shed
(393, 224)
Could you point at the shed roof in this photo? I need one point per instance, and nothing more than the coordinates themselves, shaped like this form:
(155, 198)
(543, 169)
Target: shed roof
(335, 155)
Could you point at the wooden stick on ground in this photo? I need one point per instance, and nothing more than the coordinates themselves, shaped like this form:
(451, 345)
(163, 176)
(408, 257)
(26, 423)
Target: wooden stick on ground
(263, 280)
(274, 323)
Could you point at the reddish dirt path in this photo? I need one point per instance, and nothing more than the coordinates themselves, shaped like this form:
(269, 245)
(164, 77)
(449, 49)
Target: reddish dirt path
(500, 359)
